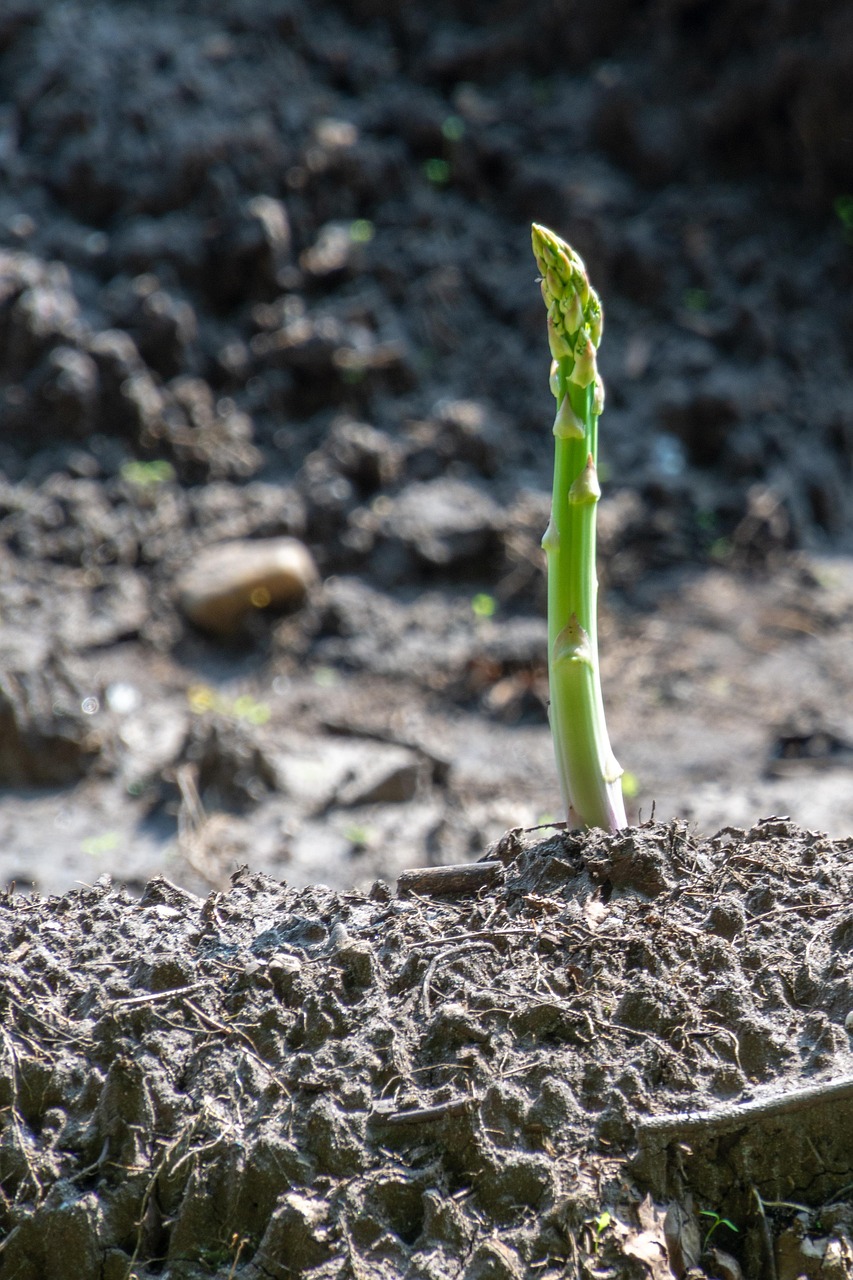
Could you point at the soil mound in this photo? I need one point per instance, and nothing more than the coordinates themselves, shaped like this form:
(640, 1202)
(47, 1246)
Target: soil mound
(555, 1076)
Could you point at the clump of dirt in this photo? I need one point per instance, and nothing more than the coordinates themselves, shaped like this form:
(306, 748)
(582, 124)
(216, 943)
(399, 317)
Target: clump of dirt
(556, 1076)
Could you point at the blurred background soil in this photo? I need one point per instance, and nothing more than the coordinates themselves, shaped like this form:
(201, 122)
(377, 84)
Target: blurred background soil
(265, 279)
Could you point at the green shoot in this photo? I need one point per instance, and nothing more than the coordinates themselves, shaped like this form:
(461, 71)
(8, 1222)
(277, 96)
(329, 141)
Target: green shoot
(483, 605)
(717, 1222)
(602, 1222)
(147, 474)
(590, 777)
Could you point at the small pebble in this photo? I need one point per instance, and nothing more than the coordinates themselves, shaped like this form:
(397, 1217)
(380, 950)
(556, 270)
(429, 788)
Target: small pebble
(229, 579)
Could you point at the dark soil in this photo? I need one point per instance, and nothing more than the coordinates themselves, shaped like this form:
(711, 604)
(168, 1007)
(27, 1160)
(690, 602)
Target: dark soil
(265, 272)
(275, 1082)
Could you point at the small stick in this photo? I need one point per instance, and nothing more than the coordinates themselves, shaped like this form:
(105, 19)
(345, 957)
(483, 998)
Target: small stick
(213, 1024)
(153, 997)
(424, 1115)
(455, 881)
(657, 1132)
(766, 1235)
(481, 935)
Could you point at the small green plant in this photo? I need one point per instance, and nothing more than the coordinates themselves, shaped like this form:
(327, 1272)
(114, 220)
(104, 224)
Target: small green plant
(145, 475)
(359, 837)
(590, 777)
(437, 171)
(361, 231)
(600, 1225)
(716, 1223)
(99, 846)
(483, 605)
(594, 1229)
(202, 698)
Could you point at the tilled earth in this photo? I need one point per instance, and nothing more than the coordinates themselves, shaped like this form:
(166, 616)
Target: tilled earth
(576, 1070)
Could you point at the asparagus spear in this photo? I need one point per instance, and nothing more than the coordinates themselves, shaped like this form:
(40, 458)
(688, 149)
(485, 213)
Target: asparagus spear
(589, 773)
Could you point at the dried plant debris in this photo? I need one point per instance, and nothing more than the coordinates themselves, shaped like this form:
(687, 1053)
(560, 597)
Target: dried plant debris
(588, 1069)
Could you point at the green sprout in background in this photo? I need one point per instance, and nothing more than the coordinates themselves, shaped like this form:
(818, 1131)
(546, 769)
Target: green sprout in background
(437, 171)
(483, 605)
(601, 1224)
(202, 699)
(590, 777)
(147, 474)
(717, 1222)
(361, 231)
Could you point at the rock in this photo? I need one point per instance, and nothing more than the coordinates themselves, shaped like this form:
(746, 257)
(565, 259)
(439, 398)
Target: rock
(725, 1265)
(227, 581)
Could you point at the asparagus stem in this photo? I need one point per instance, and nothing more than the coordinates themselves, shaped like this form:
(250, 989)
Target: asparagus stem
(589, 774)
